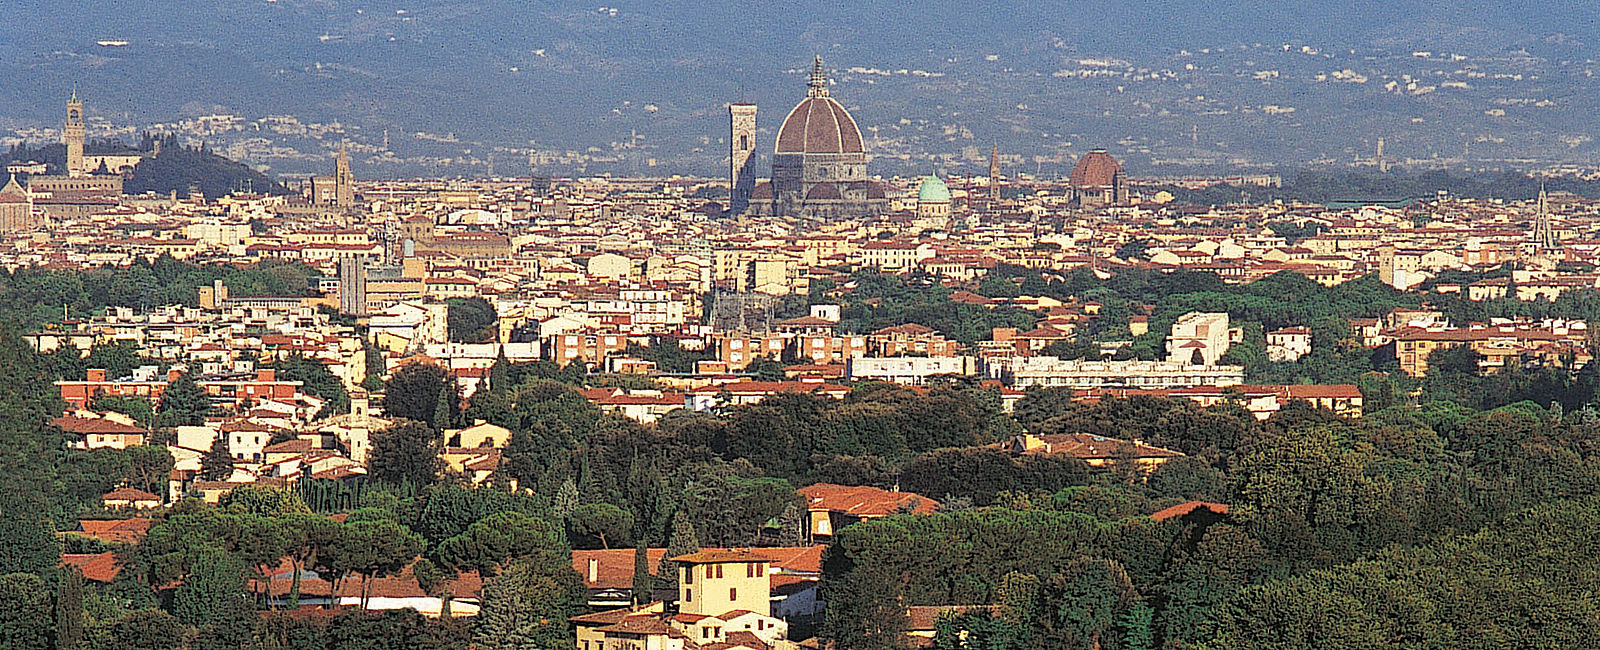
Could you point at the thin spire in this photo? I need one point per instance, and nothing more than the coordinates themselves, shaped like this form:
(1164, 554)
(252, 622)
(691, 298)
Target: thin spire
(74, 92)
(818, 85)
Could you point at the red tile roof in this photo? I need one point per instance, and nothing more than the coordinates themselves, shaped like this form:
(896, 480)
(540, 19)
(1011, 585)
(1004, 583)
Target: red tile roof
(99, 567)
(130, 494)
(127, 531)
(81, 425)
(1184, 509)
(863, 501)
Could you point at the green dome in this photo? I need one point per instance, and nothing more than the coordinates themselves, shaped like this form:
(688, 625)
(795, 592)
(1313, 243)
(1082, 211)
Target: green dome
(933, 190)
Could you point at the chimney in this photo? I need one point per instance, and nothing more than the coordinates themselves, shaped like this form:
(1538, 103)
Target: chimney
(594, 570)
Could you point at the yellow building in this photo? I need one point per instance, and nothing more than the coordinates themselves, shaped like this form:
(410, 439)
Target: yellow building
(715, 582)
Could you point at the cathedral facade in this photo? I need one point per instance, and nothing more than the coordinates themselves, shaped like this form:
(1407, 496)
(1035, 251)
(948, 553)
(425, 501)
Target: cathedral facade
(819, 163)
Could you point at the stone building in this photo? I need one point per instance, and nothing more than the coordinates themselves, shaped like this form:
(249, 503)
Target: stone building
(16, 208)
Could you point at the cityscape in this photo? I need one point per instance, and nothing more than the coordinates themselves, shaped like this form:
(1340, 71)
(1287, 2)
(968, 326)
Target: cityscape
(1314, 371)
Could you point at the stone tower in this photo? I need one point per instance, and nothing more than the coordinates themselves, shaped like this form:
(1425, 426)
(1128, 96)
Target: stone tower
(994, 174)
(344, 183)
(741, 155)
(72, 136)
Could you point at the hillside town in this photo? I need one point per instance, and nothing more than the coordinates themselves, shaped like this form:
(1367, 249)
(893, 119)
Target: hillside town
(684, 403)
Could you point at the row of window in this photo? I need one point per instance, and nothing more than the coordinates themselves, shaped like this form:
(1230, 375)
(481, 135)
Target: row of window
(751, 570)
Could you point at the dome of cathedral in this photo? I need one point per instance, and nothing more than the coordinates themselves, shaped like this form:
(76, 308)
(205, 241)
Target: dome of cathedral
(1096, 168)
(933, 190)
(819, 124)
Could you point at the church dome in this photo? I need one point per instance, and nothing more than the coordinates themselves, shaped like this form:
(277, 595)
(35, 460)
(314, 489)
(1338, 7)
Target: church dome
(819, 124)
(1095, 169)
(933, 190)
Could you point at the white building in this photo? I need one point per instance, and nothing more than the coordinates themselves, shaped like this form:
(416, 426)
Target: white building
(909, 371)
(1201, 335)
(1288, 344)
(1050, 372)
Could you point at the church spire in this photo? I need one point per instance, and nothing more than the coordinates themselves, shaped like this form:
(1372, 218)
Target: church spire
(1544, 234)
(818, 84)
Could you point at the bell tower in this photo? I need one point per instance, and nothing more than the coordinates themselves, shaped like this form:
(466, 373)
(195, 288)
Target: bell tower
(741, 156)
(344, 183)
(72, 136)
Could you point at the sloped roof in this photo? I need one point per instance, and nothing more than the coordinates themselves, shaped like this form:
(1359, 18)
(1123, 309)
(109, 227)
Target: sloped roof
(1185, 508)
(863, 501)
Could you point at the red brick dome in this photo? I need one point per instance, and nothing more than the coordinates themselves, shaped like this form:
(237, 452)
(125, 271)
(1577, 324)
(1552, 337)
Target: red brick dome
(1095, 169)
(819, 125)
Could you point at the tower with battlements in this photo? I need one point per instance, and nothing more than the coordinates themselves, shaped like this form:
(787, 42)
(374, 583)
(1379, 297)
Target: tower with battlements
(72, 136)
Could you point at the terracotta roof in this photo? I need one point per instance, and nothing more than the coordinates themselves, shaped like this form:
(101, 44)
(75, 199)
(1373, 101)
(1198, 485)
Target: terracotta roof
(614, 567)
(718, 556)
(863, 501)
(769, 387)
(81, 425)
(641, 624)
(99, 567)
(130, 494)
(127, 531)
(923, 617)
(1184, 509)
(909, 329)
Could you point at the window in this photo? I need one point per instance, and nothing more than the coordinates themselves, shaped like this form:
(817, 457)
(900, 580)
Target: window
(733, 593)
(760, 569)
(744, 142)
(719, 571)
(688, 575)
(749, 570)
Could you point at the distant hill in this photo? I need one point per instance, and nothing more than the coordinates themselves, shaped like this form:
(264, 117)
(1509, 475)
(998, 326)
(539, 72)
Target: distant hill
(178, 168)
(175, 170)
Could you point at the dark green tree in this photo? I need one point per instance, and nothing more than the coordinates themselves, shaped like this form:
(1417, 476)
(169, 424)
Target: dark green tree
(183, 403)
(470, 320)
(643, 582)
(217, 463)
(684, 541)
(25, 620)
(413, 391)
(527, 606)
(406, 452)
(69, 610)
(600, 524)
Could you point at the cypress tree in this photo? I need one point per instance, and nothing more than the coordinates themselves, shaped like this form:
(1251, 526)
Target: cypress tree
(684, 541)
(217, 464)
(643, 582)
(69, 611)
